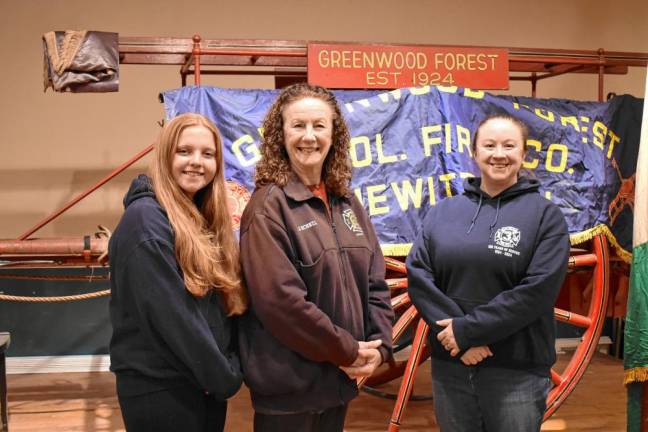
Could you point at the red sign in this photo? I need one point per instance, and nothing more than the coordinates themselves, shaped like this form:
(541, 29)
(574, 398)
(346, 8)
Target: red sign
(394, 66)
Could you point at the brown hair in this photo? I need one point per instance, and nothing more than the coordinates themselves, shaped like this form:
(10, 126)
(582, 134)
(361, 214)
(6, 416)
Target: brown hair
(524, 130)
(205, 245)
(274, 166)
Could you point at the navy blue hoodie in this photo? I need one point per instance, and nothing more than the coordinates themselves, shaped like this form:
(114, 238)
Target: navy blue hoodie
(163, 337)
(495, 265)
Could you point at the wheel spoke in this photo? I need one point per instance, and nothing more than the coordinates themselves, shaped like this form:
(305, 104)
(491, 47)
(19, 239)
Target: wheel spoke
(395, 265)
(572, 318)
(582, 260)
(405, 390)
(400, 301)
(404, 322)
(397, 283)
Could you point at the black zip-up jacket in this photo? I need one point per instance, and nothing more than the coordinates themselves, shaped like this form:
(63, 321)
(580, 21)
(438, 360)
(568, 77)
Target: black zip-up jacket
(317, 286)
(495, 265)
(163, 337)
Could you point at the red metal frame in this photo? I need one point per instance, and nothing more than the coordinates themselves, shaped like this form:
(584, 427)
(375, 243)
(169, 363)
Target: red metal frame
(285, 57)
(55, 252)
(85, 193)
(288, 58)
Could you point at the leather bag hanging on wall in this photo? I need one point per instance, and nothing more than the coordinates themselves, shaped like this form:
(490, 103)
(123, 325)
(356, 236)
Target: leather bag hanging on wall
(81, 61)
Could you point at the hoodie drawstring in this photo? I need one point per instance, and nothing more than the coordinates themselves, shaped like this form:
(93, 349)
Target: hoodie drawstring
(492, 225)
(474, 218)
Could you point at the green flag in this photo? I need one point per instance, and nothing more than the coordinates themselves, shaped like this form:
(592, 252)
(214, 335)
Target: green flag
(636, 328)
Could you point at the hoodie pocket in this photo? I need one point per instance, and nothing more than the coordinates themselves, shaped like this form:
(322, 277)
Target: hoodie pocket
(466, 305)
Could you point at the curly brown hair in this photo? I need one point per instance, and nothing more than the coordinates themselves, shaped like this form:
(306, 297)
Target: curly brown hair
(274, 166)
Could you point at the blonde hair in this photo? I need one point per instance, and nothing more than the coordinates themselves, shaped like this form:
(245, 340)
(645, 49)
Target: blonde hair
(205, 245)
(274, 166)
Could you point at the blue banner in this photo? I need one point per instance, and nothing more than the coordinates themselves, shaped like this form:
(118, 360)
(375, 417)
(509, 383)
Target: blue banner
(410, 148)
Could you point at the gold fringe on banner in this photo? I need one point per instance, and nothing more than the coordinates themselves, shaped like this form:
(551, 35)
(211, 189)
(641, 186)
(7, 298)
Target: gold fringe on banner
(639, 374)
(403, 249)
(589, 234)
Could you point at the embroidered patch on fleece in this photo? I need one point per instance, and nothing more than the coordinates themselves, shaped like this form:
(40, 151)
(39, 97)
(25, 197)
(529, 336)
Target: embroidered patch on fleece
(351, 221)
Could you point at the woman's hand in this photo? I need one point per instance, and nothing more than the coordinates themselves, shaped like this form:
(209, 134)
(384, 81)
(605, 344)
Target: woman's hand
(368, 359)
(446, 337)
(475, 355)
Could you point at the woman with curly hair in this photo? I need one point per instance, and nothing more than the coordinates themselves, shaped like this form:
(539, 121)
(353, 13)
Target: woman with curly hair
(175, 280)
(320, 313)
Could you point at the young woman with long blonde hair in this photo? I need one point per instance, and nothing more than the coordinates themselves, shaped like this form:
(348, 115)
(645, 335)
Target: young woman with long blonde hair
(175, 281)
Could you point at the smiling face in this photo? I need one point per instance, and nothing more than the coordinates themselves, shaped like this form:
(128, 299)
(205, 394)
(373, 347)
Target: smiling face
(499, 153)
(194, 162)
(308, 132)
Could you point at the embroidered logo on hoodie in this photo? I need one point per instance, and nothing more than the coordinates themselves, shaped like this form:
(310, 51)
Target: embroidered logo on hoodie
(351, 221)
(506, 239)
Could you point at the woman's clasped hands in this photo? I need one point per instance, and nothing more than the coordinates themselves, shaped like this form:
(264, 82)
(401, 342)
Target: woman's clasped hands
(472, 356)
(367, 360)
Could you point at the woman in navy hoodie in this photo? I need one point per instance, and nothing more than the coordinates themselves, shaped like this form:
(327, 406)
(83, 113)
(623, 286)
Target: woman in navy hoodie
(484, 273)
(175, 280)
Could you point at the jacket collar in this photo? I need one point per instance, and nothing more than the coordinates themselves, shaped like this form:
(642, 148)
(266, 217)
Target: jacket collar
(296, 190)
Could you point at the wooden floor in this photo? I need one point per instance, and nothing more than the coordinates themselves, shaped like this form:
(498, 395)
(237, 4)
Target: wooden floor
(87, 402)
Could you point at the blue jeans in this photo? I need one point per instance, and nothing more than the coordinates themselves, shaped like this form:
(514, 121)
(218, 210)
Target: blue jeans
(487, 399)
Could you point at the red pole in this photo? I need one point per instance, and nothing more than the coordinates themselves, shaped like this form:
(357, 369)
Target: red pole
(601, 73)
(196, 56)
(54, 246)
(407, 385)
(81, 196)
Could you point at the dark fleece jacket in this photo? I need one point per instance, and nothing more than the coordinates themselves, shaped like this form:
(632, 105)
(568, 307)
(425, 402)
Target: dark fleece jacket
(317, 287)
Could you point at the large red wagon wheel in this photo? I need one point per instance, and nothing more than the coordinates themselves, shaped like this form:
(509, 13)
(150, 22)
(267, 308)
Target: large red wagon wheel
(564, 383)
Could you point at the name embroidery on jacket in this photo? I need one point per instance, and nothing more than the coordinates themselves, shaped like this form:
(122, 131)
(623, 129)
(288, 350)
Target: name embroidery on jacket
(351, 221)
(307, 225)
(506, 239)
